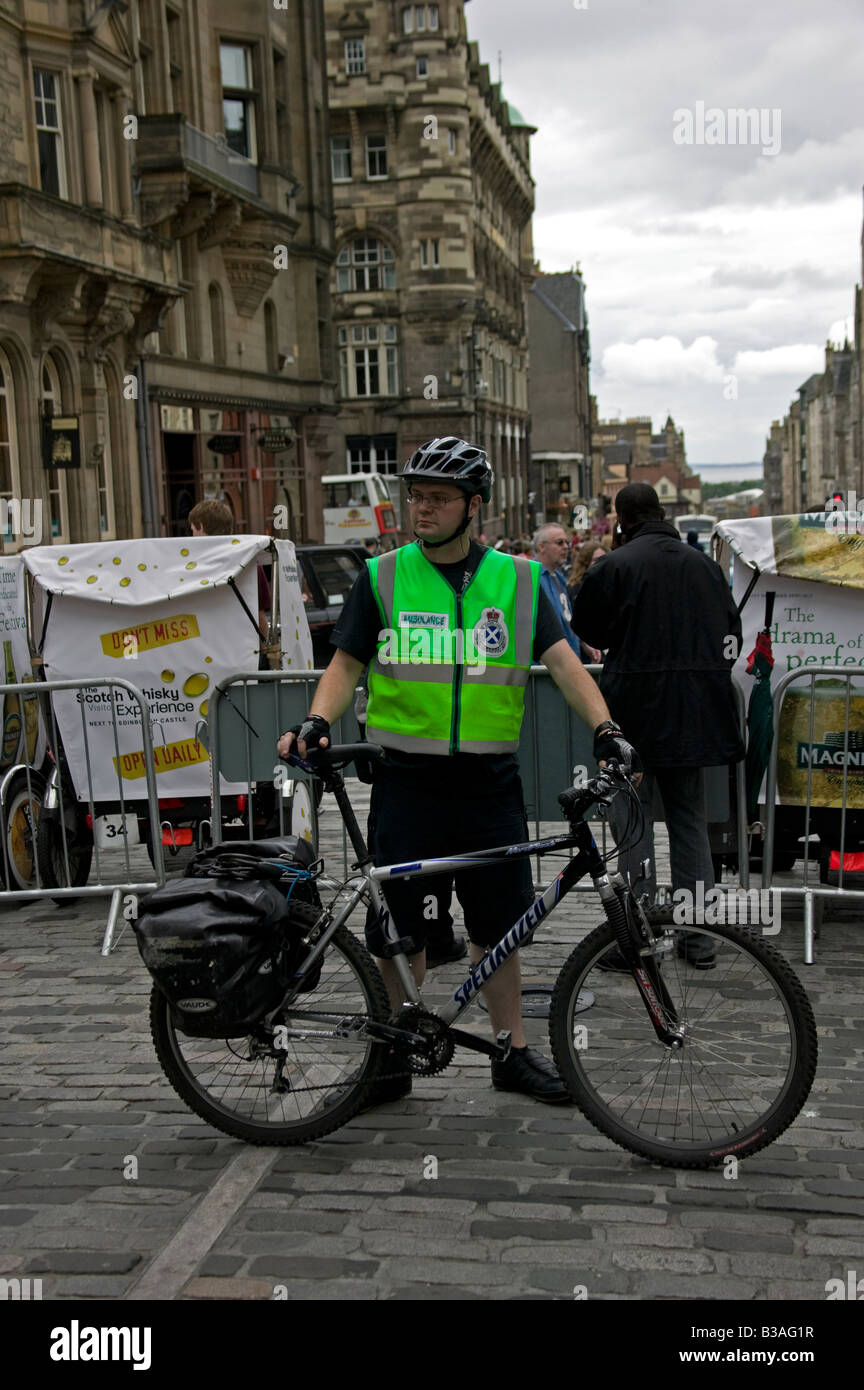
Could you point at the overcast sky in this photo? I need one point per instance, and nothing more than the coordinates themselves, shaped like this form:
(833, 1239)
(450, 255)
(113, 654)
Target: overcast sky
(702, 261)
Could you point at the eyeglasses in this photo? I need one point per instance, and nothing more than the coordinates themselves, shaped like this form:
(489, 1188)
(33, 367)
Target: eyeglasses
(437, 500)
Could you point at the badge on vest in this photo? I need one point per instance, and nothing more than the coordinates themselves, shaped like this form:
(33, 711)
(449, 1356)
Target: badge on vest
(491, 635)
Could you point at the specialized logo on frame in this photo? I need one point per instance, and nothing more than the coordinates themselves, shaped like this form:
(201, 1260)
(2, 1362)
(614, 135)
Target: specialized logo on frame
(491, 635)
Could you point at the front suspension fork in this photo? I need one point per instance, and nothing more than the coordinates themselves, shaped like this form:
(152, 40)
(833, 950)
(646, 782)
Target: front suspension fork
(616, 896)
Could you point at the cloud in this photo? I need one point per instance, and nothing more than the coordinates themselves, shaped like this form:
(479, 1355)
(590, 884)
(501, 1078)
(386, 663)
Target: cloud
(842, 329)
(662, 360)
(693, 256)
(793, 359)
(761, 277)
(815, 169)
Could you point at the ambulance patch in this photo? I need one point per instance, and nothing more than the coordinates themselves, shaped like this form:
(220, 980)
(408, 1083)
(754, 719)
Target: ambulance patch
(435, 621)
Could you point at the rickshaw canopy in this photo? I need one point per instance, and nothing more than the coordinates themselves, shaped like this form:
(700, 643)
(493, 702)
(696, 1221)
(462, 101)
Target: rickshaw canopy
(140, 572)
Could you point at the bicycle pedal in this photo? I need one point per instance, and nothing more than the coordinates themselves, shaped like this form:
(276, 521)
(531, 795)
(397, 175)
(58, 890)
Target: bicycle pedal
(505, 1042)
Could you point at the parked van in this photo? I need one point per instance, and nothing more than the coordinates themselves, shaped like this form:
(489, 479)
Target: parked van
(357, 507)
(702, 524)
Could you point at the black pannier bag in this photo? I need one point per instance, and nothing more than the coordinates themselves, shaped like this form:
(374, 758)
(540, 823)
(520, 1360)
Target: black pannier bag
(221, 860)
(244, 859)
(222, 951)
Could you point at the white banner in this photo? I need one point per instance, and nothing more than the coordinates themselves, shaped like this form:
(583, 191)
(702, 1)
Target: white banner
(813, 626)
(168, 623)
(23, 738)
(295, 636)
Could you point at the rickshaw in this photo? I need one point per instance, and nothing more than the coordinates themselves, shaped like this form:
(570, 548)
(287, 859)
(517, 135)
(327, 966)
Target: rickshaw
(799, 580)
(184, 613)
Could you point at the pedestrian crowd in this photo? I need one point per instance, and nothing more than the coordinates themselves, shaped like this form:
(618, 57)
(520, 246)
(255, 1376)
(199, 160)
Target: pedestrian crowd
(566, 557)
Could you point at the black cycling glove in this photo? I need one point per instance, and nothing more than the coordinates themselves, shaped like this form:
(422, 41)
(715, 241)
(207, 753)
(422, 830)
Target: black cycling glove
(611, 745)
(312, 730)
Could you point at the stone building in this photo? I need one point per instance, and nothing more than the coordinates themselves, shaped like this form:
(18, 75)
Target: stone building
(433, 199)
(679, 492)
(241, 378)
(635, 431)
(155, 156)
(630, 452)
(560, 472)
(816, 449)
(82, 284)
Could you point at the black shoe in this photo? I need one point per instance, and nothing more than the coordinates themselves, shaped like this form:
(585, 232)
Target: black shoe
(532, 1074)
(385, 1091)
(661, 916)
(438, 955)
(700, 957)
(382, 1092)
(390, 1087)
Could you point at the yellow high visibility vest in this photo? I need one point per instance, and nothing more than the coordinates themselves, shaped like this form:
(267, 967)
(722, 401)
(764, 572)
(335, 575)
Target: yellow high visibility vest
(450, 670)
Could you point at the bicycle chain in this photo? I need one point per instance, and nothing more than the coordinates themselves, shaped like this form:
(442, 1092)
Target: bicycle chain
(337, 1085)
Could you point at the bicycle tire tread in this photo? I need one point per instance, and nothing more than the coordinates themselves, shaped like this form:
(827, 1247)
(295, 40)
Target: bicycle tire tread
(277, 1135)
(793, 1097)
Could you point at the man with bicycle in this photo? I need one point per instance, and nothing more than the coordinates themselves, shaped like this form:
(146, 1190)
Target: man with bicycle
(451, 629)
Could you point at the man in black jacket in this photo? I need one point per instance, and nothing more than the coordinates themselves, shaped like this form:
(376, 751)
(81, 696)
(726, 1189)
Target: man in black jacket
(666, 615)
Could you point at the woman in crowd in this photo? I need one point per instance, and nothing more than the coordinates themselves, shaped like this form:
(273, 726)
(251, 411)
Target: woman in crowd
(587, 554)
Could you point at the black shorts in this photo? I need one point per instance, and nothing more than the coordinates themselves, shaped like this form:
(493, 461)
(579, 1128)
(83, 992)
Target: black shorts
(409, 821)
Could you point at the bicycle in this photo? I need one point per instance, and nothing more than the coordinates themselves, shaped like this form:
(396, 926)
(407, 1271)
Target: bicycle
(681, 1066)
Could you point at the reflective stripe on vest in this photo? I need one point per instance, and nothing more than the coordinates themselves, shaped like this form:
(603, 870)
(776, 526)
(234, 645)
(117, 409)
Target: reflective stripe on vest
(441, 685)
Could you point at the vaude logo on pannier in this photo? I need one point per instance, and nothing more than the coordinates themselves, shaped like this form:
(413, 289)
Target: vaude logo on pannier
(196, 1006)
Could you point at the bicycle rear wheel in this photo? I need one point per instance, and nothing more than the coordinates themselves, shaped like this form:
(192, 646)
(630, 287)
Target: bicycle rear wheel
(743, 1071)
(277, 1087)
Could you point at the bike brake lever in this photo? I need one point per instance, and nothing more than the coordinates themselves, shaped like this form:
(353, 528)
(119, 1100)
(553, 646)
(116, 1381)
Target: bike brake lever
(294, 760)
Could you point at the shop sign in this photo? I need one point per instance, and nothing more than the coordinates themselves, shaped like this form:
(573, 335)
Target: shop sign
(224, 444)
(61, 446)
(274, 441)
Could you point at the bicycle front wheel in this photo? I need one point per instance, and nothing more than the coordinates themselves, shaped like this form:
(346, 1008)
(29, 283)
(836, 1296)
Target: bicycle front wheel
(745, 1063)
(293, 1082)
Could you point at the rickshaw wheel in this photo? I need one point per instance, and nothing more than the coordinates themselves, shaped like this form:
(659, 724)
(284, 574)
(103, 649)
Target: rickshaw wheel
(20, 819)
(50, 856)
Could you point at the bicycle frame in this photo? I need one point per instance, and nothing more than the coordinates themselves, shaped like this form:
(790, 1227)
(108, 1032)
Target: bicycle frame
(587, 861)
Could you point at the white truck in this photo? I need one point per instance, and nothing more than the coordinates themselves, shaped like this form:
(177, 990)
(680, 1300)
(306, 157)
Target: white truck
(358, 507)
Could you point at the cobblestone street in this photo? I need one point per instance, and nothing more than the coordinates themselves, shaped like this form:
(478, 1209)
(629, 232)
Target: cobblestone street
(528, 1201)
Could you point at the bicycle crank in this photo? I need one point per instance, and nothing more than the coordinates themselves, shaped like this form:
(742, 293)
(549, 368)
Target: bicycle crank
(435, 1053)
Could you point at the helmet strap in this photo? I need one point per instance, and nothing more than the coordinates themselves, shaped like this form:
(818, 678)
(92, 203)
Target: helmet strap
(436, 545)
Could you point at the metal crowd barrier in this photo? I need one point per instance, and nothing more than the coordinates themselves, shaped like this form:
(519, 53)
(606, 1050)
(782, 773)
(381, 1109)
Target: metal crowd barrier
(833, 821)
(248, 713)
(27, 793)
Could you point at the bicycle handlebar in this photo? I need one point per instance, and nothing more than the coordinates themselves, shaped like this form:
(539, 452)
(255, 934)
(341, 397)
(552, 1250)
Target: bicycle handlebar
(336, 756)
(600, 791)
(574, 802)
